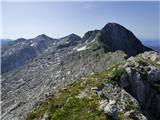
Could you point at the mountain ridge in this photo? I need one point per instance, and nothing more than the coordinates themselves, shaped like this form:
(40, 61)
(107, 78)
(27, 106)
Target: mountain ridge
(55, 64)
(111, 37)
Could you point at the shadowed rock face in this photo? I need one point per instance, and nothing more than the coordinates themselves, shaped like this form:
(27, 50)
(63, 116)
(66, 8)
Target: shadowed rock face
(119, 38)
(17, 59)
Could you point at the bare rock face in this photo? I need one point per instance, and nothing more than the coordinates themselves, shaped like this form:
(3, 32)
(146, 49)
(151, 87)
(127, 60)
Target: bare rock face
(153, 75)
(103, 103)
(153, 56)
(117, 100)
(140, 84)
(142, 80)
(111, 108)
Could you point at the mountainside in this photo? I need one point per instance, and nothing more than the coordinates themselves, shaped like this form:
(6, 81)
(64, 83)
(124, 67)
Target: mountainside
(111, 38)
(40, 69)
(22, 50)
(128, 90)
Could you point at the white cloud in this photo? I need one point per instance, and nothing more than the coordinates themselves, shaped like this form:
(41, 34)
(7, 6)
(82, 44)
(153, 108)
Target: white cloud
(89, 6)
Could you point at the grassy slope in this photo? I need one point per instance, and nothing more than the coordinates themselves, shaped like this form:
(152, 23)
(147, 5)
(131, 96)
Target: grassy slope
(66, 106)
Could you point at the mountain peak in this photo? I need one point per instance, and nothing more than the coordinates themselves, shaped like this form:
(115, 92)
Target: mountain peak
(117, 37)
(20, 40)
(42, 35)
(114, 26)
(74, 36)
(90, 35)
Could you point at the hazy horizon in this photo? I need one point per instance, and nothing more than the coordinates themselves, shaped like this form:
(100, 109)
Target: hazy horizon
(58, 19)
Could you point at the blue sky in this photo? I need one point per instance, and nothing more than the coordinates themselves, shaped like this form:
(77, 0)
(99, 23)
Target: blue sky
(57, 19)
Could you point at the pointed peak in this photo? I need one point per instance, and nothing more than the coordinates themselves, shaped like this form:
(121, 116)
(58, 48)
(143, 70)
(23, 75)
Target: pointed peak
(73, 35)
(42, 36)
(112, 23)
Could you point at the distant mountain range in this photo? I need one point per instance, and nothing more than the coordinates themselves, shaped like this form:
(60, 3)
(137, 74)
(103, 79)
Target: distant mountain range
(154, 44)
(5, 41)
(111, 38)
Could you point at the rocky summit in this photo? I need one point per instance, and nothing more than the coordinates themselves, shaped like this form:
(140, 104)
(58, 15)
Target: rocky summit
(107, 74)
(116, 37)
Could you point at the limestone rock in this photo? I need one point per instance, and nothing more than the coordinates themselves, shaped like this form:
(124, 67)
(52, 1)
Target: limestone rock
(131, 114)
(111, 108)
(142, 82)
(82, 94)
(103, 103)
(154, 75)
(45, 117)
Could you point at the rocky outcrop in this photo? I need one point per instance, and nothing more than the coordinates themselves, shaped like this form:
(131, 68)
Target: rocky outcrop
(117, 102)
(142, 80)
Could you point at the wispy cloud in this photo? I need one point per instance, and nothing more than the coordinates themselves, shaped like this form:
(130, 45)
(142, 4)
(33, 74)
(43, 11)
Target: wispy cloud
(89, 6)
